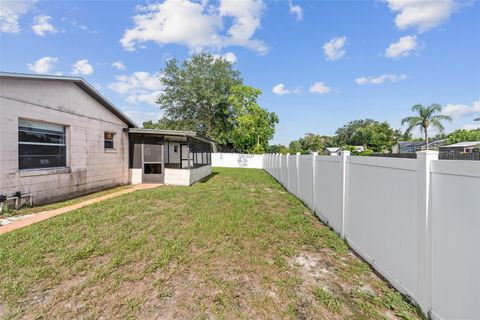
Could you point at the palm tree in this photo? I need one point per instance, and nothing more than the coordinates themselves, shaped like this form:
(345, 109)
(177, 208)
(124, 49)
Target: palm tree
(427, 116)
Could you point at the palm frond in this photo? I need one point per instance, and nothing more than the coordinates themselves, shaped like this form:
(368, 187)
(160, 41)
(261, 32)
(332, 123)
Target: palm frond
(441, 117)
(435, 107)
(437, 124)
(411, 120)
(418, 108)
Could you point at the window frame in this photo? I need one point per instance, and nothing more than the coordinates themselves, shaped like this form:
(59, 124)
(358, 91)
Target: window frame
(112, 148)
(61, 145)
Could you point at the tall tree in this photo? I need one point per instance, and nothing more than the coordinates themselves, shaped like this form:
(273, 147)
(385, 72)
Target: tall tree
(252, 125)
(374, 135)
(196, 95)
(277, 148)
(426, 117)
(310, 143)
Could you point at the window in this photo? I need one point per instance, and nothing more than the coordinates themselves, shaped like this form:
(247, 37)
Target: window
(41, 145)
(108, 140)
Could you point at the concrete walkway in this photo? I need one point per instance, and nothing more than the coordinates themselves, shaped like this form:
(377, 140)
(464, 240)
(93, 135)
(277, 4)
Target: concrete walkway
(44, 215)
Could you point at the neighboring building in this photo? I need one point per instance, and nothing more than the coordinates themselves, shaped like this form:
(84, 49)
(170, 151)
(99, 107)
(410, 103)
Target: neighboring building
(414, 146)
(332, 151)
(462, 147)
(61, 138)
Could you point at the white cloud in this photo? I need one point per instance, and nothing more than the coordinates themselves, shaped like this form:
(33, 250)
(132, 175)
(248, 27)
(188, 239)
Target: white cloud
(42, 25)
(296, 10)
(320, 88)
(380, 79)
(197, 24)
(422, 15)
(43, 65)
(334, 49)
(402, 48)
(118, 65)
(462, 110)
(281, 90)
(83, 27)
(229, 56)
(139, 87)
(82, 67)
(10, 13)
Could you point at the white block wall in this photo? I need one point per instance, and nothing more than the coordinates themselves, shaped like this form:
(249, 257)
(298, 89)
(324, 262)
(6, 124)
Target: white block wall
(237, 160)
(89, 166)
(417, 222)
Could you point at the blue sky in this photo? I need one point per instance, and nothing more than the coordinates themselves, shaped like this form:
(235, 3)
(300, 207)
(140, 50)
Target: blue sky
(320, 64)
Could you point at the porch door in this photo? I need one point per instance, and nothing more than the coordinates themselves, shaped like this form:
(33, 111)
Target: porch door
(153, 163)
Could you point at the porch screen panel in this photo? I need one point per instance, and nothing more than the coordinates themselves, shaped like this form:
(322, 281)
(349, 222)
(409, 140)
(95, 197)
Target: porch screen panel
(152, 152)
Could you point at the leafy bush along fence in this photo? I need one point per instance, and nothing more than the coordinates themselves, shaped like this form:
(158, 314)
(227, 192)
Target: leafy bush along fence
(416, 221)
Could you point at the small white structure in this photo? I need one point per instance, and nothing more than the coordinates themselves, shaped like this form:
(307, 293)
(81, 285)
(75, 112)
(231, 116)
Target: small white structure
(332, 151)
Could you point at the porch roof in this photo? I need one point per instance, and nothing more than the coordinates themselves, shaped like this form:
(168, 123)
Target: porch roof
(190, 134)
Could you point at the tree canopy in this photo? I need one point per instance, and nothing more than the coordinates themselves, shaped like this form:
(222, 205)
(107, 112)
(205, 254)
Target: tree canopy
(252, 126)
(206, 94)
(463, 135)
(371, 134)
(310, 143)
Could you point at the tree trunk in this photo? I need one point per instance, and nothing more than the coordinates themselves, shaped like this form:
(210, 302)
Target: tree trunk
(426, 137)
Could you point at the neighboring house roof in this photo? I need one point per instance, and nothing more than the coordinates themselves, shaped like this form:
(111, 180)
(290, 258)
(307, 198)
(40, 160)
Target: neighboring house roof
(82, 84)
(463, 144)
(419, 145)
(191, 134)
(333, 149)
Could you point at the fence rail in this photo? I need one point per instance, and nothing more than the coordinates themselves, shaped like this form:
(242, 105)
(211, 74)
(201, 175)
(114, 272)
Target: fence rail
(459, 156)
(474, 156)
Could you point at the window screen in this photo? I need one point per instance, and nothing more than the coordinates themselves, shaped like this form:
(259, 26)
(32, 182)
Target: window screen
(41, 145)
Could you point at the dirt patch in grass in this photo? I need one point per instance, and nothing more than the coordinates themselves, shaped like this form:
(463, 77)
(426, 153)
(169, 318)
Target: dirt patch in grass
(234, 247)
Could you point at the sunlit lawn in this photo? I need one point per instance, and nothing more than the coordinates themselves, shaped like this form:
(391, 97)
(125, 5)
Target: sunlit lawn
(236, 246)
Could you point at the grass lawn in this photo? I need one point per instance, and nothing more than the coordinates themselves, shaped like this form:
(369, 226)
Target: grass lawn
(236, 246)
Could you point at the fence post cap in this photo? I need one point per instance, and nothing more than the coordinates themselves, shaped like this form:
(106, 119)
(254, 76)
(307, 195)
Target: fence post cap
(345, 152)
(426, 152)
(298, 153)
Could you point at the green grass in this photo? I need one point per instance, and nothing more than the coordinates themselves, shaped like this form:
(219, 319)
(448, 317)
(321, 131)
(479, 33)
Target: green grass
(327, 299)
(56, 205)
(224, 248)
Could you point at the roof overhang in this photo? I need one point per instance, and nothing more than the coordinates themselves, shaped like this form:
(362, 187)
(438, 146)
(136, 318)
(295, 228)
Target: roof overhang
(82, 84)
(178, 133)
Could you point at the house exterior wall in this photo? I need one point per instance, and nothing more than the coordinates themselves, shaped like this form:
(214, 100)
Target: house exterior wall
(89, 166)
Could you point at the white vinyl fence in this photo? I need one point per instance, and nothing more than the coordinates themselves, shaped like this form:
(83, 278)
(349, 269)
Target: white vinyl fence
(416, 221)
